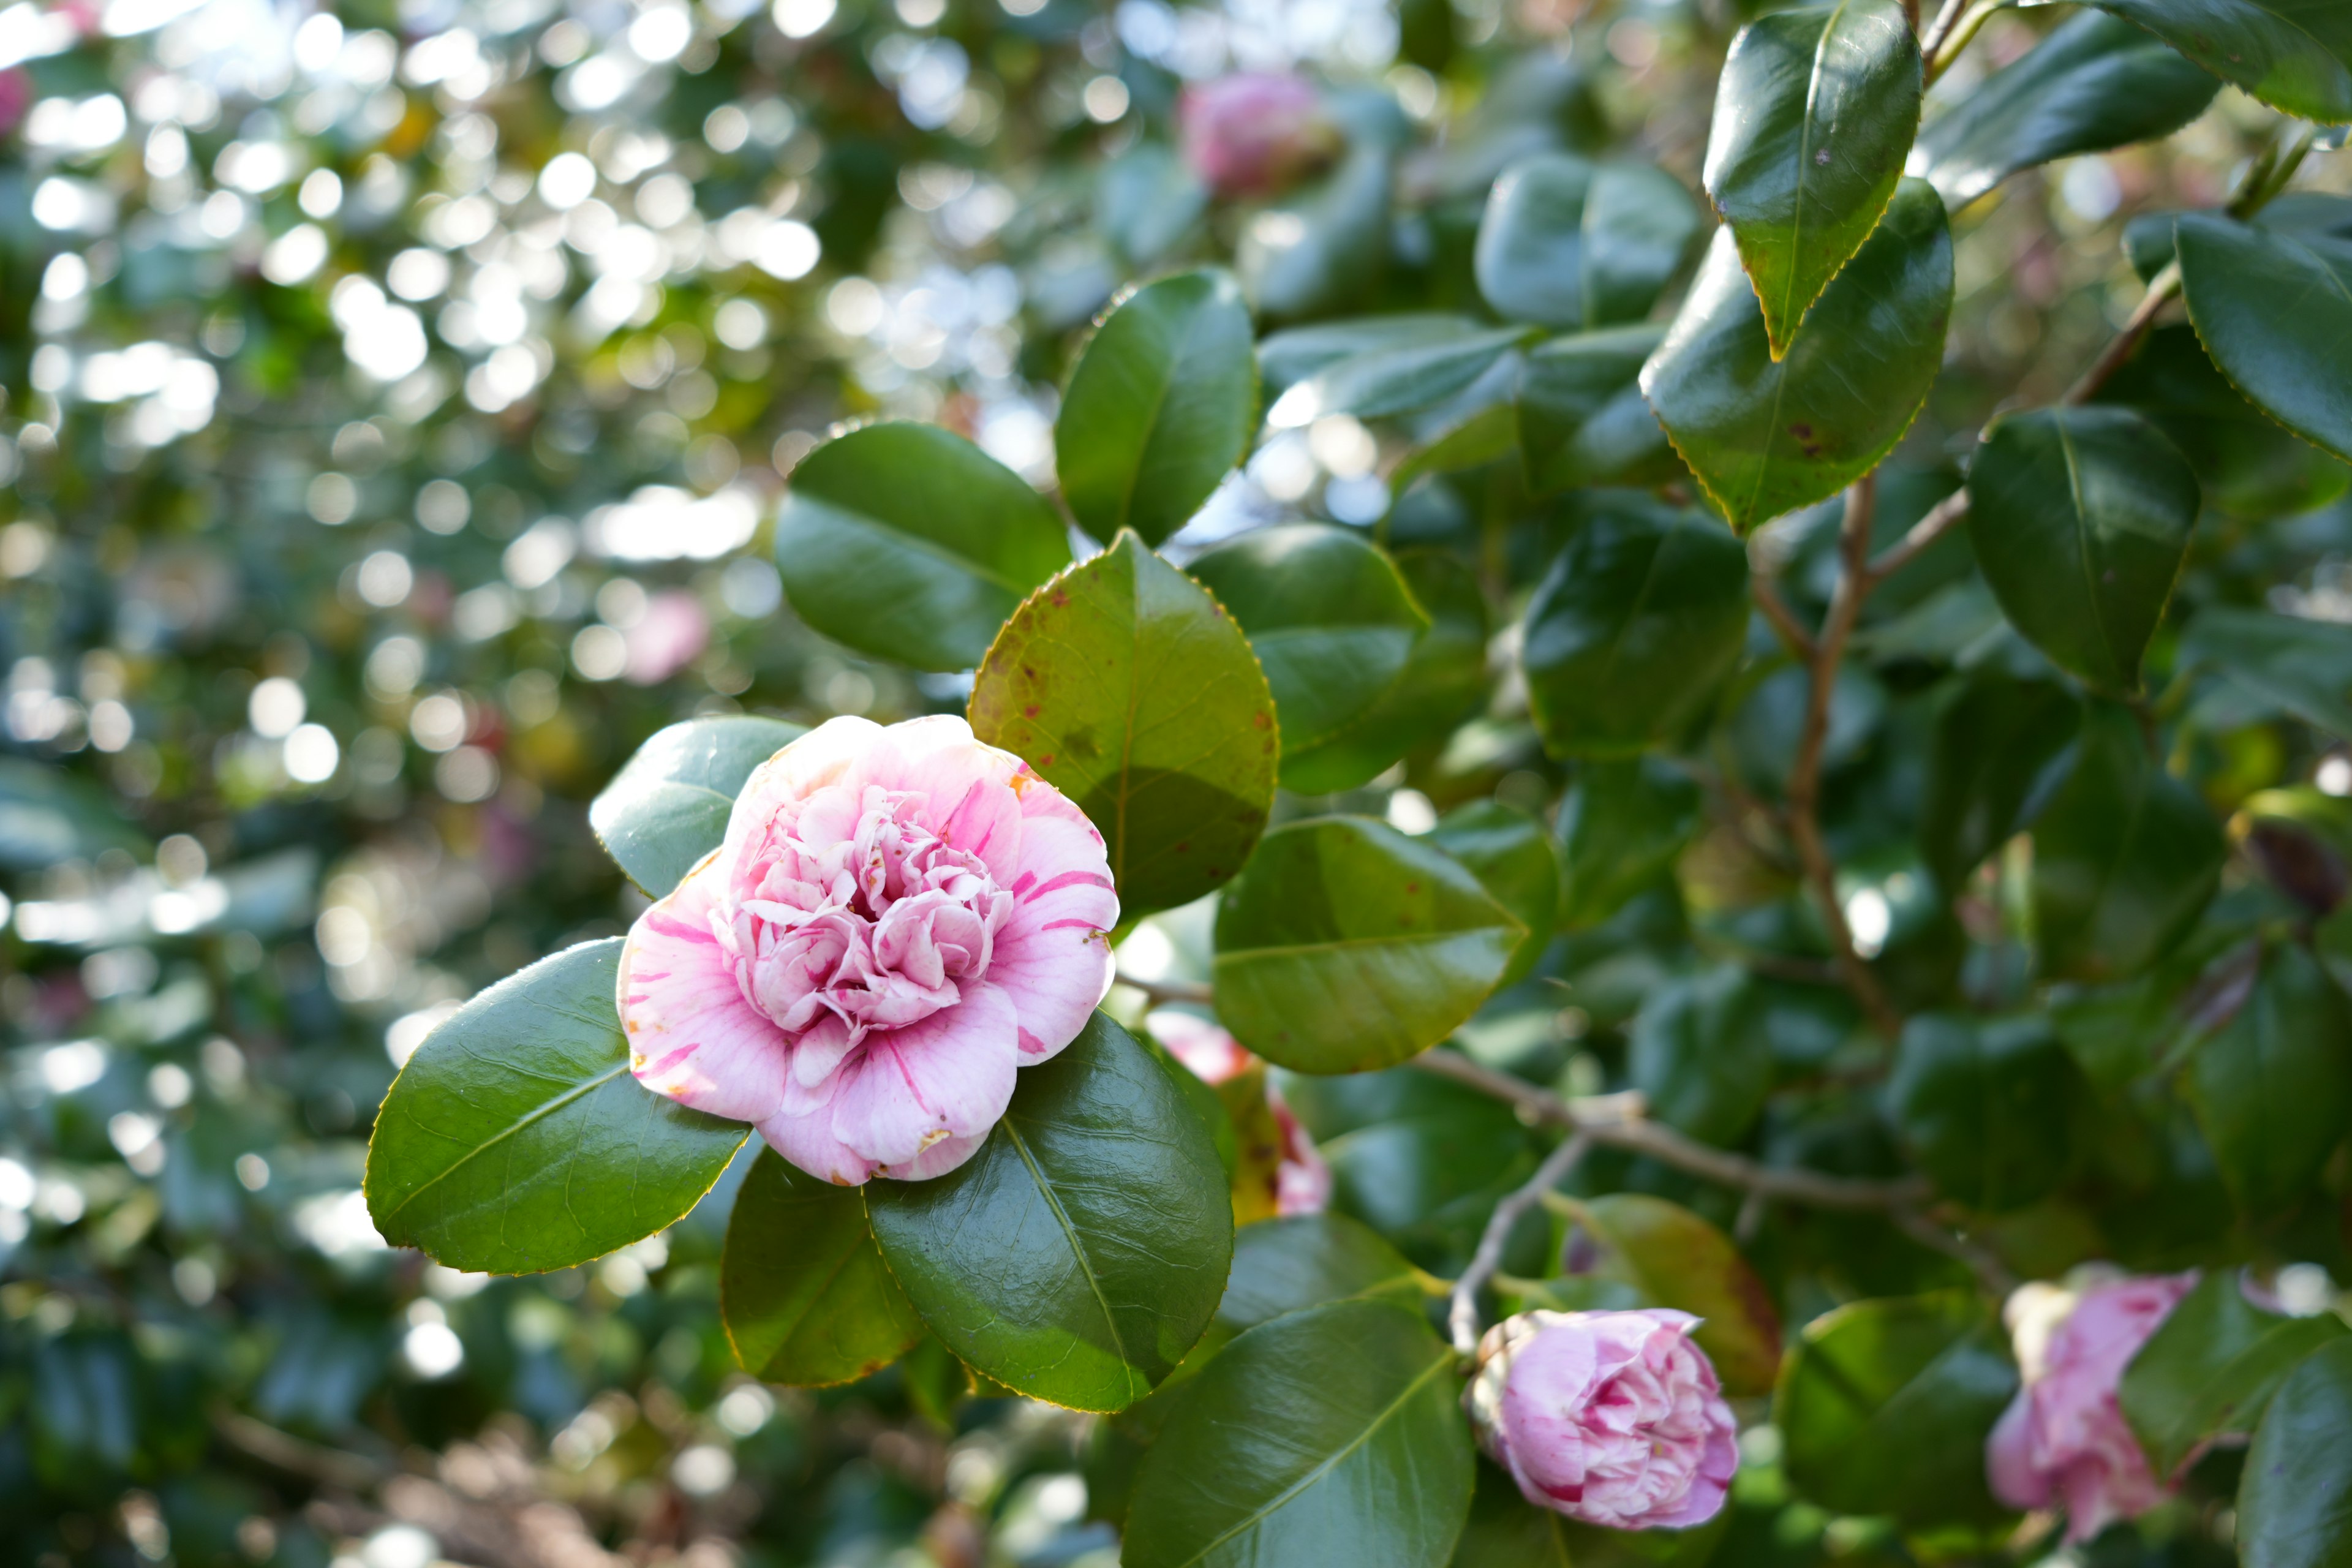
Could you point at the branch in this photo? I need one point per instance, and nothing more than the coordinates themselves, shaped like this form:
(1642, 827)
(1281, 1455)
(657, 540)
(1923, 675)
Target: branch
(1805, 775)
(1617, 1121)
(1940, 48)
(1462, 1311)
(1784, 620)
(1940, 519)
(2160, 290)
(1162, 991)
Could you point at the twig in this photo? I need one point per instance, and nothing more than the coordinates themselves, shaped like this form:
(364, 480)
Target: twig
(1784, 620)
(1940, 519)
(298, 1456)
(1617, 1121)
(1805, 775)
(2160, 290)
(1942, 28)
(1462, 1311)
(1161, 992)
(1991, 1273)
(1941, 50)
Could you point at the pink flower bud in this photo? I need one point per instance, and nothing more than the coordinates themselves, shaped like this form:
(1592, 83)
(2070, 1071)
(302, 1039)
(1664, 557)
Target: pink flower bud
(1613, 1418)
(1253, 133)
(668, 637)
(897, 920)
(2063, 1440)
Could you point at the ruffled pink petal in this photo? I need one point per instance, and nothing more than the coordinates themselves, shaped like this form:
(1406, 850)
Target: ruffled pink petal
(805, 1138)
(1051, 956)
(938, 1160)
(769, 808)
(2009, 1458)
(1711, 1486)
(692, 1036)
(1551, 1378)
(966, 785)
(904, 1091)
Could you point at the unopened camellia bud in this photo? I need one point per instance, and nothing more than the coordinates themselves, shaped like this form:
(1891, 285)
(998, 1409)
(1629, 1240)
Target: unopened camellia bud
(1254, 132)
(1612, 1418)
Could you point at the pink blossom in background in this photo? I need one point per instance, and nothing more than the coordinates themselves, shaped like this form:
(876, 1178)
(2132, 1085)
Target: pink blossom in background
(897, 920)
(2063, 1440)
(15, 97)
(1302, 1181)
(668, 637)
(1613, 1418)
(1253, 133)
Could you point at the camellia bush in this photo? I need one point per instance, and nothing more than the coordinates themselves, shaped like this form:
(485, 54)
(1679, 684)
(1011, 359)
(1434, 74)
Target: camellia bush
(1727, 951)
(1451, 786)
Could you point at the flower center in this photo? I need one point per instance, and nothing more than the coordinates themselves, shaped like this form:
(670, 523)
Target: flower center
(860, 914)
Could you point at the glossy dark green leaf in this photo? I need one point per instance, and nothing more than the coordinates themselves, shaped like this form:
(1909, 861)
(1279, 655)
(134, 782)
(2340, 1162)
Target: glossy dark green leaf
(1378, 368)
(1983, 1105)
(668, 807)
(1884, 1407)
(1323, 249)
(1813, 114)
(1696, 1053)
(1506, 1531)
(1345, 945)
(1160, 408)
(1992, 759)
(1329, 617)
(1530, 255)
(908, 543)
(1419, 1159)
(1768, 435)
(1512, 857)
(2294, 1505)
(1620, 828)
(1443, 683)
(1640, 227)
(2094, 83)
(1582, 418)
(2211, 1368)
(1330, 1436)
(1077, 1255)
(2124, 858)
(2252, 467)
(2274, 309)
(1126, 686)
(1284, 1266)
(2294, 54)
(2299, 665)
(2081, 520)
(1643, 614)
(803, 1290)
(1675, 1258)
(515, 1140)
(2273, 1087)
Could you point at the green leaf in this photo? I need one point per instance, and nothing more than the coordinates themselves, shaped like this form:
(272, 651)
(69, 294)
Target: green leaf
(1079, 1254)
(1992, 763)
(1511, 855)
(1345, 945)
(1696, 1053)
(2252, 467)
(2272, 1088)
(1582, 418)
(1326, 246)
(1675, 1258)
(1378, 368)
(1443, 683)
(1569, 244)
(515, 1140)
(1326, 1437)
(1767, 434)
(2274, 309)
(1329, 615)
(802, 1291)
(2294, 1505)
(909, 543)
(1129, 690)
(2124, 858)
(1884, 1407)
(1285, 1266)
(1643, 614)
(1813, 114)
(668, 807)
(1506, 1531)
(1160, 408)
(1622, 827)
(2294, 54)
(1145, 201)
(2081, 520)
(2292, 663)
(2094, 83)
(2211, 1368)
(1984, 1104)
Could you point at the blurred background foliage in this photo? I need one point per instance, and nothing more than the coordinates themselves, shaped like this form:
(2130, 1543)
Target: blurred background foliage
(395, 396)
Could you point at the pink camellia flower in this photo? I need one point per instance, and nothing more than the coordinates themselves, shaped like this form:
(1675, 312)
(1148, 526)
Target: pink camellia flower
(1254, 132)
(898, 918)
(1614, 1418)
(668, 637)
(1302, 1181)
(2063, 1438)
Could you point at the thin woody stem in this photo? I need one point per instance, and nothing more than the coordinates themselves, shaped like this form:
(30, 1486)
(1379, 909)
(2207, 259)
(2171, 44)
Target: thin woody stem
(1162, 991)
(2160, 290)
(1767, 599)
(1461, 1310)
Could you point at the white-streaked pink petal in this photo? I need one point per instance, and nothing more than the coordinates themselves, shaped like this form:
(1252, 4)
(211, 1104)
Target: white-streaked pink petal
(771, 803)
(692, 1036)
(1051, 955)
(950, 1076)
(805, 1138)
(967, 787)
